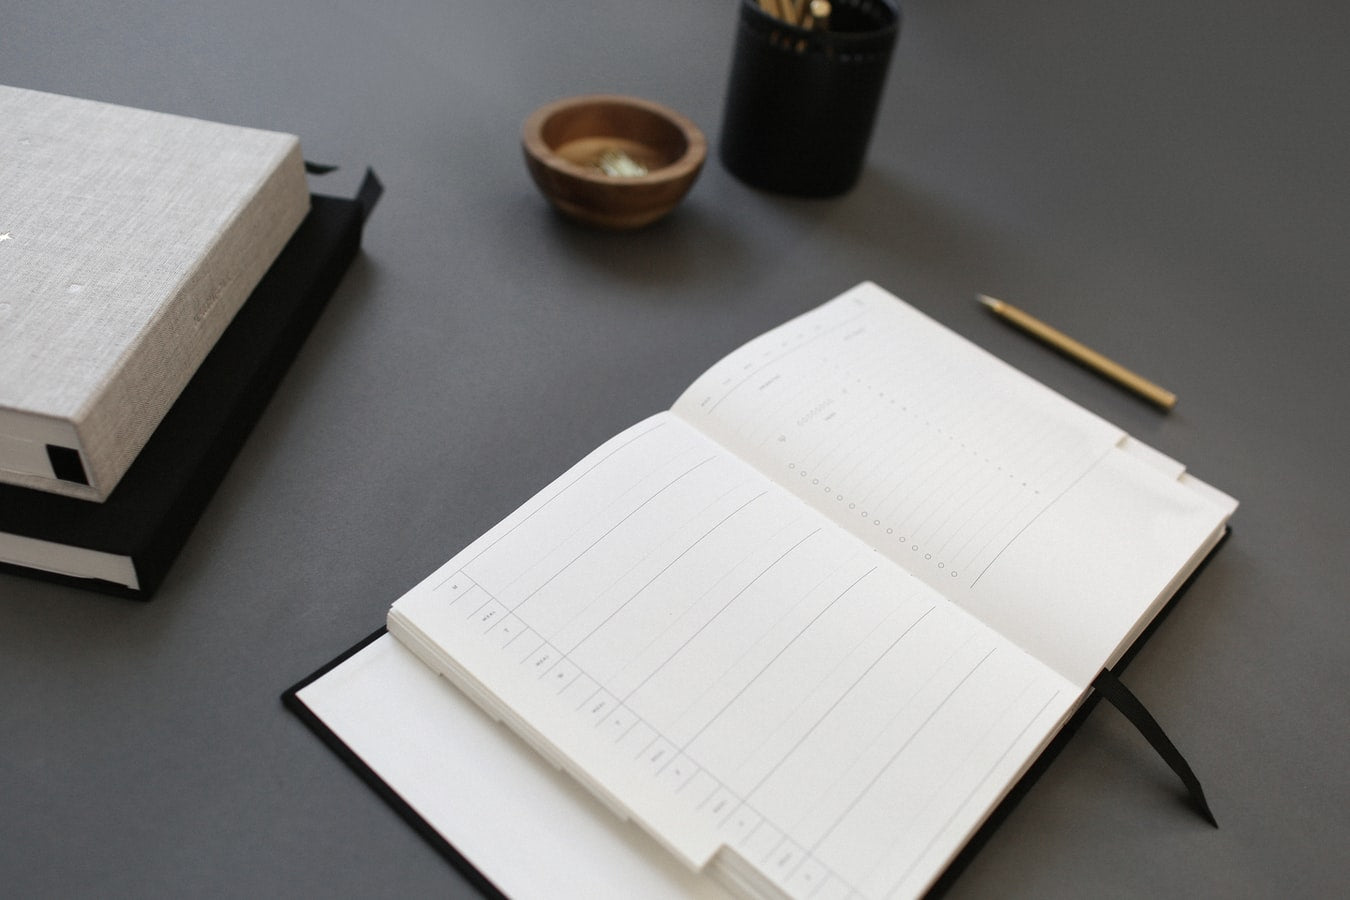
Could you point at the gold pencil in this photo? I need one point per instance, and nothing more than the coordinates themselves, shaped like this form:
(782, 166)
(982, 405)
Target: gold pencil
(818, 15)
(1085, 355)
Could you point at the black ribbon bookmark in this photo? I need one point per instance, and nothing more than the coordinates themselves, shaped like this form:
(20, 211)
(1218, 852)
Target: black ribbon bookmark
(369, 193)
(1110, 687)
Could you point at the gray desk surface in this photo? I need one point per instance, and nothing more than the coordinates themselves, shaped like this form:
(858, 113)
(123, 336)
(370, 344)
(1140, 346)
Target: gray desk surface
(1166, 181)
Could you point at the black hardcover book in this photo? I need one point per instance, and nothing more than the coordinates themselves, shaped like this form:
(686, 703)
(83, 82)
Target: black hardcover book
(126, 544)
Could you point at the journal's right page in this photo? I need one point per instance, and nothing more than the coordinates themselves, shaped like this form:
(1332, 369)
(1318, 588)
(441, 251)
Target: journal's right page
(1050, 524)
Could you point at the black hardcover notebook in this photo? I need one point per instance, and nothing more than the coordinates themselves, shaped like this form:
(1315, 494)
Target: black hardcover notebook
(125, 545)
(804, 631)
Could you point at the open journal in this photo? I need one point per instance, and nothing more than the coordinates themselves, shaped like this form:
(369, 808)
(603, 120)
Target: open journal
(809, 626)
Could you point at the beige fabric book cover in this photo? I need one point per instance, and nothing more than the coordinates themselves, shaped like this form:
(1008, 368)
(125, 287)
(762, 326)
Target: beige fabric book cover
(128, 240)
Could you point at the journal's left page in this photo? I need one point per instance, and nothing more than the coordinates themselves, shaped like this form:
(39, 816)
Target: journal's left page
(767, 696)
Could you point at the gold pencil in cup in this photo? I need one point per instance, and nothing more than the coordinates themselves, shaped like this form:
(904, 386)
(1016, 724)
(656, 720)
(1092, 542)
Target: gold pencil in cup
(808, 14)
(817, 15)
(1060, 341)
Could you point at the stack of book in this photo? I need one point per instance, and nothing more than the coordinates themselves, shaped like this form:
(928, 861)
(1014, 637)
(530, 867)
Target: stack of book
(157, 273)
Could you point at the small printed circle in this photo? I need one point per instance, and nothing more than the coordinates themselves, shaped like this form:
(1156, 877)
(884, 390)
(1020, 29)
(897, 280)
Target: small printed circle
(928, 556)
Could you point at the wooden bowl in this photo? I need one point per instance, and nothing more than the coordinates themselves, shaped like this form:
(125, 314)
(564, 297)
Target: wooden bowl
(612, 161)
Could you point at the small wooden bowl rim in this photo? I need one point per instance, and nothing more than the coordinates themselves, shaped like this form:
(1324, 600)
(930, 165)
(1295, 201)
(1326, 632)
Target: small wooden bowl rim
(695, 152)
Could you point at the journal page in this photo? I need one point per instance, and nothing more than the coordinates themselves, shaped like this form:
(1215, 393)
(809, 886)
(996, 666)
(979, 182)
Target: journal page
(923, 445)
(722, 664)
(948, 460)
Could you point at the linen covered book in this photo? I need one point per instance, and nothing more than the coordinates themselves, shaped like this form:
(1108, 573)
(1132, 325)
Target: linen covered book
(808, 627)
(126, 544)
(128, 240)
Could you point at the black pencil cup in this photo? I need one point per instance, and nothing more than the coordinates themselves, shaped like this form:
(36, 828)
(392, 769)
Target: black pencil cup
(801, 102)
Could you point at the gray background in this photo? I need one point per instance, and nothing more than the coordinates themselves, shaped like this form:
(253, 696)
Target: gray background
(1165, 181)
